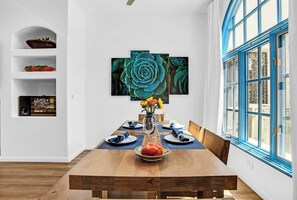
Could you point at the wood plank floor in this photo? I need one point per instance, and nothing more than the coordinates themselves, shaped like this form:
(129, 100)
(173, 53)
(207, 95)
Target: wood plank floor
(27, 181)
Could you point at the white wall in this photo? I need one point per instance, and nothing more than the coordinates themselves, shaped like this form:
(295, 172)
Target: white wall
(268, 182)
(112, 36)
(38, 139)
(76, 79)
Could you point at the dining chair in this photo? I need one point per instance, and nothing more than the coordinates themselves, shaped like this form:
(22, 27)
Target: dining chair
(197, 131)
(159, 117)
(218, 145)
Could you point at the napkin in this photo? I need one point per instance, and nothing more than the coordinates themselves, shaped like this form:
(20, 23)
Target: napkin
(132, 124)
(119, 138)
(179, 135)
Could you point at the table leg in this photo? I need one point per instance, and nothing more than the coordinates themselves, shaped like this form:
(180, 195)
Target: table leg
(96, 193)
(210, 194)
(152, 195)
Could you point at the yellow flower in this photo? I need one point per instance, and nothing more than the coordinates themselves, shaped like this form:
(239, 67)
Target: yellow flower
(160, 102)
(149, 99)
(143, 104)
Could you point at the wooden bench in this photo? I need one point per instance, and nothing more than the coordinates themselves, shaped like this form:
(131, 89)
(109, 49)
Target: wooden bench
(61, 191)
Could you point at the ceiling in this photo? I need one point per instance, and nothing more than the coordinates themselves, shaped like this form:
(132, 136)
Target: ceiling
(147, 6)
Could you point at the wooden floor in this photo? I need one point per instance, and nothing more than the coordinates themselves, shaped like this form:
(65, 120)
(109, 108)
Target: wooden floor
(31, 180)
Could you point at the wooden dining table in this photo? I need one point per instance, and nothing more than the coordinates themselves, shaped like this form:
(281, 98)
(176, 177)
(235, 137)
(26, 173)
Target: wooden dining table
(182, 170)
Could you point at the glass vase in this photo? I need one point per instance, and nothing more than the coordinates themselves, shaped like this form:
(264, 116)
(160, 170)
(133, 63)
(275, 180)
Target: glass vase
(149, 127)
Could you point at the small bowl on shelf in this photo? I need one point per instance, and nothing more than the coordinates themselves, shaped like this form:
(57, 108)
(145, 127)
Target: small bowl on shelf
(41, 43)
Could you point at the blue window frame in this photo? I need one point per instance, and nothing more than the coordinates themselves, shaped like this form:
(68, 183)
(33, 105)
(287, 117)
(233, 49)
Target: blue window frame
(256, 114)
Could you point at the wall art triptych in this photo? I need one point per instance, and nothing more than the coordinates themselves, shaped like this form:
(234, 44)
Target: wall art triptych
(147, 74)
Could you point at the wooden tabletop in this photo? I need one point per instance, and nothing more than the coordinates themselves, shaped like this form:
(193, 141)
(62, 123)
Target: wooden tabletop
(181, 170)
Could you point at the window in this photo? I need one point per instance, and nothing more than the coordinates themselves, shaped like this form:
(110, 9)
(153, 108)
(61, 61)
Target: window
(231, 96)
(257, 79)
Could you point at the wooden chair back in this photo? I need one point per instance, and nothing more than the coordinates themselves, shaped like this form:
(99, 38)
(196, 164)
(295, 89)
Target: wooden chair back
(197, 131)
(217, 145)
(159, 117)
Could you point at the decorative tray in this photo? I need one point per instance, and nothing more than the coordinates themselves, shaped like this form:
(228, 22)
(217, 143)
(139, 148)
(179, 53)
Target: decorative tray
(41, 43)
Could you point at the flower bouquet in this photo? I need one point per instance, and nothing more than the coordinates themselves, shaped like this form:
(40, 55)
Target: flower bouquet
(150, 105)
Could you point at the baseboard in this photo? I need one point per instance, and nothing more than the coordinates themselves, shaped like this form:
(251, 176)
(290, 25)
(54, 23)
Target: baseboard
(90, 147)
(33, 159)
(71, 157)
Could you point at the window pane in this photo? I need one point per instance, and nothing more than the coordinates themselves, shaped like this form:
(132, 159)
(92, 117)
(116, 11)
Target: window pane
(239, 35)
(253, 64)
(230, 41)
(265, 133)
(230, 97)
(229, 122)
(287, 60)
(229, 68)
(253, 97)
(239, 13)
(265, 61)
(287, 91)
(253, 129)
(252, 26)
(236, 96)
(235, 124)
(235, 69)
(284, 149)
(250, 5)
(265, 90)
(285, 9)
(268, 15)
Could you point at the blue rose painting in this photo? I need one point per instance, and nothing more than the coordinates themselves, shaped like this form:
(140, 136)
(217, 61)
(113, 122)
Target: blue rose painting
(118, 88)
(179, 73)
(145, 75)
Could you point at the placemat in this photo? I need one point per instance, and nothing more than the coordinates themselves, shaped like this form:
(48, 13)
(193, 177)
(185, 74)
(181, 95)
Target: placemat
(129, 146)
(193, 145)
(161, 129)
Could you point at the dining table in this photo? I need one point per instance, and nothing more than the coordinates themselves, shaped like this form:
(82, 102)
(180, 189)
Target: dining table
(188, 167)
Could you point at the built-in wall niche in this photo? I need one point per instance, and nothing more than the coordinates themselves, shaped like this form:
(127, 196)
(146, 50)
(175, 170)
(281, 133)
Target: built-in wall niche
(32, 87)
(20, 62)
(19, 38)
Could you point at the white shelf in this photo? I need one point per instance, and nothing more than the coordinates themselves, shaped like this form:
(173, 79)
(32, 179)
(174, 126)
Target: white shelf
(34, 52)
(34, 117)
(32, 83)
(32, 32)
(34, 75)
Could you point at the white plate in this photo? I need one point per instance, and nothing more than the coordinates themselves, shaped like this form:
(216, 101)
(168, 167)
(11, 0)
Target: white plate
(177, 126)
(171, 138)
(138, 126)
(128, 140)
(138, 149)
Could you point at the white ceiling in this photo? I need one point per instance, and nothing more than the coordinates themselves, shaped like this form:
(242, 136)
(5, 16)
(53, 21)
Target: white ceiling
(147, 6)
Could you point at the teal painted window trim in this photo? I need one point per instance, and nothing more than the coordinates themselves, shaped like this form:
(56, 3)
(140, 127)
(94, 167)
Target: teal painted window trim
(269, 36)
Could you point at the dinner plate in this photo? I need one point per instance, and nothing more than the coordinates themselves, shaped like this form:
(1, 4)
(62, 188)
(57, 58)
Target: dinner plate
(138, 149)
(128, 140)
(138, 125)
(172, 139)
(176, 126)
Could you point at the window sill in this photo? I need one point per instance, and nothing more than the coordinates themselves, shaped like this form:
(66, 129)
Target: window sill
(262, 156)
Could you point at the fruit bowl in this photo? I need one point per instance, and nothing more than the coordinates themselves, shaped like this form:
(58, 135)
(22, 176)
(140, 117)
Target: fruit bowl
(138, 149)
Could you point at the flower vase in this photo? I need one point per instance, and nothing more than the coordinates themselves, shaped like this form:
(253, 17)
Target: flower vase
(149, 127)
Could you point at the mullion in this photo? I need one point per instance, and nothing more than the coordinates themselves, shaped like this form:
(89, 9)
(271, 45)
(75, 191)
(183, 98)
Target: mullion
(233, 91)
(279, 11)
(259, 95)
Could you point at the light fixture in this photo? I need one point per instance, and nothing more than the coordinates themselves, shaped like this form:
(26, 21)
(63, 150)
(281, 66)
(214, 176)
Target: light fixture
(130, 2)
